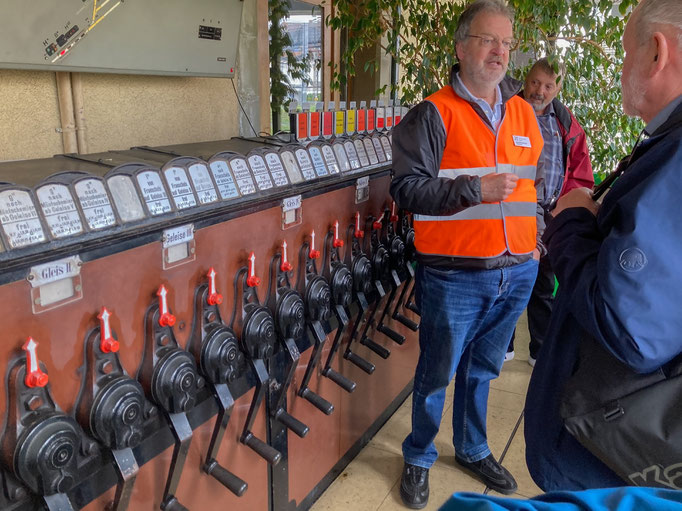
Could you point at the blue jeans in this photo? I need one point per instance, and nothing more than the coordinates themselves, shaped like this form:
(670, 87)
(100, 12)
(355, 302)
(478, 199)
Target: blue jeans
(467, 317)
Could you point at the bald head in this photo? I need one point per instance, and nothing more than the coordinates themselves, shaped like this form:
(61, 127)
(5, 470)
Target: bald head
(652, 70)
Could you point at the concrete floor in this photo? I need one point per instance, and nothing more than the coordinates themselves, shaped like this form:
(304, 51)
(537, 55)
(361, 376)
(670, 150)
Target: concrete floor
(371, 481)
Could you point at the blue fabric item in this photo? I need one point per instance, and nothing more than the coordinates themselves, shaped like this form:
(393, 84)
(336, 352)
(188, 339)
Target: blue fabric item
(610, 499)
(494, 115)
(620, 283)
(551, 162)
(467, 317)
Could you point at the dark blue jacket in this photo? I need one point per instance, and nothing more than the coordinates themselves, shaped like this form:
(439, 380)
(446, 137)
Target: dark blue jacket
(620, 282)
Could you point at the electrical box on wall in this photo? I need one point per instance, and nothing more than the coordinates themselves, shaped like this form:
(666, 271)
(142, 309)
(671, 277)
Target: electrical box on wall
(163, 37)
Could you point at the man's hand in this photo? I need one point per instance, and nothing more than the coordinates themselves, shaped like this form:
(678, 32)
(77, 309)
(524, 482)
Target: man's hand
(497, 187)
(536, 254)
(577, 198)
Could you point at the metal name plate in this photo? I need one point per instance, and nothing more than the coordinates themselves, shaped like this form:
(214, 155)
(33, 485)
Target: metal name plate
(371, 153)
(260, 172)
(181, 190)
(293, 171)
(386, 143)
(59, 210)
(125, 198)
(291, 203)
(342, 157)
(379, 149)
(305, 164)
(243, 176)
(19, 219)
(362, 154)
(352, 154)
(318, 161)
(153, 193)
(55, 284)
(224, 180)
(330, 159)
(276, 168)
(177, 235)
(362, 190)
(203, 185)
(55, 270)
(95, 203)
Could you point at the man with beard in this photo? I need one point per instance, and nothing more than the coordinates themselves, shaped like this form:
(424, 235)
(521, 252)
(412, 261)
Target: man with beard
(464, 163)
(617, 312)
(564, 165)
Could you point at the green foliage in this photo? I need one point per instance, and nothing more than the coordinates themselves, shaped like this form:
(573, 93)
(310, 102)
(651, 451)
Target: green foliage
(281, 90)
(584, 34)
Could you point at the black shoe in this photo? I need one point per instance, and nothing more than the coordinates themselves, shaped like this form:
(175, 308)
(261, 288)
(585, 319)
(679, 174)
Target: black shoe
(414, 486)
(494, 475)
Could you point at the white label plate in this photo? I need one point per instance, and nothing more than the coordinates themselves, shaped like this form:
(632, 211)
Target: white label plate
(224, 180)
(306, 165)
(59, 210)
(318, 161)
(293, 171)
(378, 148)
(153, 192)
(291, 203)
(276, 168)
(179, 186)
(242, 175)
(56, 270)
(330, 159)
(371, 153)
(177, 235)
(19, 219)
(203, 185)
(352, 154)
(125, 198)
(362, 154)
(342, 157)
(260, 172)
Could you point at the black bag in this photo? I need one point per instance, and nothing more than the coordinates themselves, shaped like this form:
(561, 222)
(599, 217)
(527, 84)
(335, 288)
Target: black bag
(632, 422)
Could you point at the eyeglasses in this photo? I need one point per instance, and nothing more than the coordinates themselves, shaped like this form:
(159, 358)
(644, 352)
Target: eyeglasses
(488, 41)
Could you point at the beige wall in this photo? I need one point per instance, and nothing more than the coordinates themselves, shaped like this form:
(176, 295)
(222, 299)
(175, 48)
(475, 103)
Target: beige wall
(29, 115)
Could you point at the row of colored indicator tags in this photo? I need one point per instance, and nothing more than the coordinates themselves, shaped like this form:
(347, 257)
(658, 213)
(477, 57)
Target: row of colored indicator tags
(135, 192)
(314, 122)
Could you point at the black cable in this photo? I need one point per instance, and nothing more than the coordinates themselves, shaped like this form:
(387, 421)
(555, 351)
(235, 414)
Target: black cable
(244, 111)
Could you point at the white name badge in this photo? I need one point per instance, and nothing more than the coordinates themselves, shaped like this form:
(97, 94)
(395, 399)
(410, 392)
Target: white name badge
(520, 141)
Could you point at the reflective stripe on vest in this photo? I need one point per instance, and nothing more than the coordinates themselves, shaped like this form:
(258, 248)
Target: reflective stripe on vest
(473, 149)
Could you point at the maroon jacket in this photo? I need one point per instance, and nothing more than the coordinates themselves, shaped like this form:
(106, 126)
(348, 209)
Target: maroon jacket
(577, 166)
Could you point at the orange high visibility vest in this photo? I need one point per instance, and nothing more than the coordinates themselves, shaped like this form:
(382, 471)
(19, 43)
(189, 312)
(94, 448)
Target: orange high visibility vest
(472, 148)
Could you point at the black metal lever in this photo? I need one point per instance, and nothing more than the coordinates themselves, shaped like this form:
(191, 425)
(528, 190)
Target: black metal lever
(182, 431)
(313, 398)
(343, 382)
(127, 469)
(58, 502)
(279, 410)
(211, 466)
(349, 355)
(270, 454)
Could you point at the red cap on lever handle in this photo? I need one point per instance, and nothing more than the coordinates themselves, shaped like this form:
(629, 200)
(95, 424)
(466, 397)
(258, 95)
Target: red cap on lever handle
(107, 344)
(35, 377)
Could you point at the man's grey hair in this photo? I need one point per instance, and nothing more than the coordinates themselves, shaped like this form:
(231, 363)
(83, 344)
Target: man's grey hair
(548, 68)
(658, 12)
(477, 7)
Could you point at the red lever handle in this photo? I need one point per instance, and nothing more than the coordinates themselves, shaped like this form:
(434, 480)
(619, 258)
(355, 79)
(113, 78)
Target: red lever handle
(252, 280)
(166, 318)
(35, 377)
(394, 217)
(213, 298)
(337, 241)
(313, 254)
(107, 344)
(285, 266)
(359, 233)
